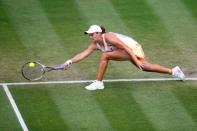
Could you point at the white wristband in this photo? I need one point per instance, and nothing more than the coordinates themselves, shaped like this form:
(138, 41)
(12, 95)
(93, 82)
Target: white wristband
(69, 62)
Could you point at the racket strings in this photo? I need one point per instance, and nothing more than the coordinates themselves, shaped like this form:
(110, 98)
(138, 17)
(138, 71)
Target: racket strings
(33, 73)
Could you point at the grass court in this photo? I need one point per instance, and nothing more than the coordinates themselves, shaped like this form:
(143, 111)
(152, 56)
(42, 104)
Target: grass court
(51, 32)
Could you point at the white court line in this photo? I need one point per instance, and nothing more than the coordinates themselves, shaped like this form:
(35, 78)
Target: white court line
(88, 81)
(14, 106)
(70, 82)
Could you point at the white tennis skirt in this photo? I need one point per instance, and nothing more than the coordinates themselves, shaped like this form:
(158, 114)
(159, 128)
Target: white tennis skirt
(131, 43)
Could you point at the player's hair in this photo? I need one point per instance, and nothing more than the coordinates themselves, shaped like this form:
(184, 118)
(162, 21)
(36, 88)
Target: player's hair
(103, 29)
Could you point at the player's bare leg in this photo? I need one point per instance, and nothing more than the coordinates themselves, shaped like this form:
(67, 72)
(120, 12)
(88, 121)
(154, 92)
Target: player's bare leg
(102, 66)
(118, 55)
(146, 66)
(121, 55)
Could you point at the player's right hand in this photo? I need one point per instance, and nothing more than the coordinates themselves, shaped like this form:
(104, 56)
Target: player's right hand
(67, 64)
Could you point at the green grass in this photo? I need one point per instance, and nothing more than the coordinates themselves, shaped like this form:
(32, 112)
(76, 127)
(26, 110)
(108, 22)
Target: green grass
(121, 106)
(51, 32)
(60, 33)
(190, 4)
(41, 118)
(8, 118)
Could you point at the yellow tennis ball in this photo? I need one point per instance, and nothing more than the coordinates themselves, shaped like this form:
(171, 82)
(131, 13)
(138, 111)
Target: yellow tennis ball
(31, 65)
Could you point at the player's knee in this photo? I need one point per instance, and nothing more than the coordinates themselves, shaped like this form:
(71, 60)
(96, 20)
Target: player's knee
(143, 66)
(146, 67)
(104, 57)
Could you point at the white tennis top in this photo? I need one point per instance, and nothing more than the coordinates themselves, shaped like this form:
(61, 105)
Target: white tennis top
(130, 42)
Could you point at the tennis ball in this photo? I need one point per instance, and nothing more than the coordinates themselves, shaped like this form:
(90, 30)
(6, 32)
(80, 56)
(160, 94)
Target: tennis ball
(31, 65)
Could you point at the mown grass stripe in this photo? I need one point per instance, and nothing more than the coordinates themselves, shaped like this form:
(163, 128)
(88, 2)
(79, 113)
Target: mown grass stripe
(34, 28)
(191, 6)
(121, 109)
(180, 24)
(12, 52)
(101, 12)
(79, 109)
(38, 108)
(163, 109)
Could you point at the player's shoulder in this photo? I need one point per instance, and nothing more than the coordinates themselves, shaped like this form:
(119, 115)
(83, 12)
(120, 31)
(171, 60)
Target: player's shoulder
(110, 36)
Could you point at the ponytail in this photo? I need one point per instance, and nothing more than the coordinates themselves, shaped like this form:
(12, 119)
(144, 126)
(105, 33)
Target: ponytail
(103, 29)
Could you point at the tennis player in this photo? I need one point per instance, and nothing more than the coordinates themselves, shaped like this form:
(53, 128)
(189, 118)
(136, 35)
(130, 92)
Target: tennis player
(117, 47)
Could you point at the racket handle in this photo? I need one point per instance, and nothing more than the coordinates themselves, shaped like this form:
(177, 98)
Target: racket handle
(58, 68)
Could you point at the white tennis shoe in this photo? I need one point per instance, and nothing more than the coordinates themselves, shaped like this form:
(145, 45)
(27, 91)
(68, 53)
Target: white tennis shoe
(95, 85)
(177, 73)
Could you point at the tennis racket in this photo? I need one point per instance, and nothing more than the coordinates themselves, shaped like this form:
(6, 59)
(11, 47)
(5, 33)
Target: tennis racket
(33, 71)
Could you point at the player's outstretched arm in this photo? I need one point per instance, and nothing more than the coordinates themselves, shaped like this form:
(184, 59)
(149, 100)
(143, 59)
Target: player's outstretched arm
(80, 56)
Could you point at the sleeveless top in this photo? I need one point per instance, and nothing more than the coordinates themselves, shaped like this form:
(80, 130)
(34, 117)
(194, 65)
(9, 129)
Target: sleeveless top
(131, 43)
(107, 47)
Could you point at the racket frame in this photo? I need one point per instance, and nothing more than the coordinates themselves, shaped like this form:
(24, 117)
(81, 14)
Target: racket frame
(44, 70)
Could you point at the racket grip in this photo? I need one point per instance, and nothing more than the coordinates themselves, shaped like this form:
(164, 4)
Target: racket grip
(58, 68)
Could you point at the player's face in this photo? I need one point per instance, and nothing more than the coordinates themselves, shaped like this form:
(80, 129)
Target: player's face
(95, 37)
